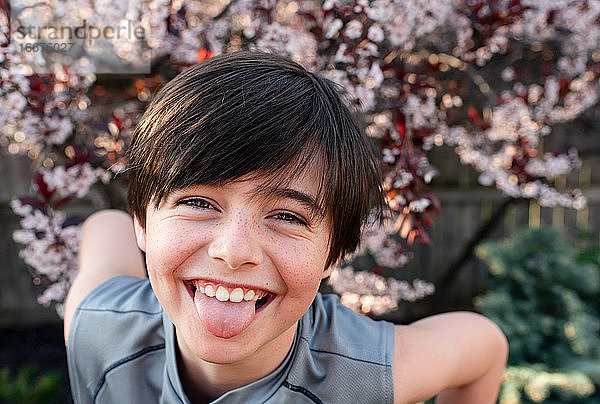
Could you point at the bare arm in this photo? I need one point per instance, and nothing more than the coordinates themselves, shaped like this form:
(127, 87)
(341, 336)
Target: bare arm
(107, 249)
(459, 355)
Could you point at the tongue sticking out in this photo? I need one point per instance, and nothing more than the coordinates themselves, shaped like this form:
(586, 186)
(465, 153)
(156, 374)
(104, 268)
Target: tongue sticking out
(223, 319)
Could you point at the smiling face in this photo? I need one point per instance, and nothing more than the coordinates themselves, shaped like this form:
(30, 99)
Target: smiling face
(205, 243)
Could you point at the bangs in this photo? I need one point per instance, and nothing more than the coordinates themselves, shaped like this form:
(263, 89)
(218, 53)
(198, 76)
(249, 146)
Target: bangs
(268, 128)
(277, 176)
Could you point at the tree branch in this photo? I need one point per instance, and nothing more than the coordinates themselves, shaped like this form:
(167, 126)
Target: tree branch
(453, 270)
(225, 10)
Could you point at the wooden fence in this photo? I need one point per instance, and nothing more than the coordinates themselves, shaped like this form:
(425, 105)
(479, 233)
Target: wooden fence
(466, 207)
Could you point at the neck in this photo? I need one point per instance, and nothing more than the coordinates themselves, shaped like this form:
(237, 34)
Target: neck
(205, 381)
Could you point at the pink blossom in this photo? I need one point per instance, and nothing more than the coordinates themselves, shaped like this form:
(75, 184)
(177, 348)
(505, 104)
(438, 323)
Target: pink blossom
(353, 29)
(375, 33)
(76, 179)
(419, 205)
(366, 292)
(333, 27)
(508, 74)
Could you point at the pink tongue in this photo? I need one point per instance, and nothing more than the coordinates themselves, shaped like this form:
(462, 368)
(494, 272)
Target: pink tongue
(223, 319)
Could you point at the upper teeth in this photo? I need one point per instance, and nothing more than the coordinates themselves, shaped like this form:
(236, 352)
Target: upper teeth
(223, 294)
(236, 295)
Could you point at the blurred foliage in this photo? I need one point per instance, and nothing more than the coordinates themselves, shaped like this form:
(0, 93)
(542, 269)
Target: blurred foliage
(543, 294)
(539, 384)
(25, 387)
(588, 253)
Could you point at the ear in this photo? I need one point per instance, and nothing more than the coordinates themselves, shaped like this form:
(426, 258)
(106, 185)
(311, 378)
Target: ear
(140, 234)
(329, 270)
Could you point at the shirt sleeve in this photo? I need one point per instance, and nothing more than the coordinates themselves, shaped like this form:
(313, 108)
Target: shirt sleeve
(112, 321)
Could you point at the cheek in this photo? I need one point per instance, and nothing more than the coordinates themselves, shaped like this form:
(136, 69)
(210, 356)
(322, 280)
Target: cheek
(168, 248)
(303, 269)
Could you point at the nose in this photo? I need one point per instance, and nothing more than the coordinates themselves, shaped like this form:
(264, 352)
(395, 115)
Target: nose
(236, 243)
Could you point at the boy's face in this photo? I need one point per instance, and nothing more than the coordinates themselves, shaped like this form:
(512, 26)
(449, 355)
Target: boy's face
(207, 240)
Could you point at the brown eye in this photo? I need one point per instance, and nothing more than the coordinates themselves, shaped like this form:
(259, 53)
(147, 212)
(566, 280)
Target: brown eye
(290, 218)
(197, 203)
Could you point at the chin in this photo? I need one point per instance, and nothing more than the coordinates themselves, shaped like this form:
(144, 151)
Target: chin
(209, 348)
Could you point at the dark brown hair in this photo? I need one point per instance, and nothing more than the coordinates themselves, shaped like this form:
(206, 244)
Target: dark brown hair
(262, 115)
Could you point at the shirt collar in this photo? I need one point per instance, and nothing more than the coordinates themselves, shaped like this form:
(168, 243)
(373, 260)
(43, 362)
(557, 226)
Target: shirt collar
(256, 391)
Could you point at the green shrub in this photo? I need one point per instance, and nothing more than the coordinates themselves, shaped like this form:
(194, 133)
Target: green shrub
(25, 388)
(543, 293)
(538, 384)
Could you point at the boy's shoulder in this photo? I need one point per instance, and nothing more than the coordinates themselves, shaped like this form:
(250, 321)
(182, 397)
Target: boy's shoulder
(331, 327)
(117, 322)
(332, 360)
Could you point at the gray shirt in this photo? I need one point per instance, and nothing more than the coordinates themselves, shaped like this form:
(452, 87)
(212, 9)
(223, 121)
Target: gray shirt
(122, 349)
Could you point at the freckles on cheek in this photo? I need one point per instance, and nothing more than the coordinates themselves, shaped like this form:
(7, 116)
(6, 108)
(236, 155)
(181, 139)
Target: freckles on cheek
(305, 274)
(169, 251)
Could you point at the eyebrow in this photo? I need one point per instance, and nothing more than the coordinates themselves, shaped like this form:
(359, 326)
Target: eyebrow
(304, 199)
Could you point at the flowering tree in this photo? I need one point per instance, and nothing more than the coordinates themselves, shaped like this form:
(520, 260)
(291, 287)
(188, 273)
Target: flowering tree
(489, 79)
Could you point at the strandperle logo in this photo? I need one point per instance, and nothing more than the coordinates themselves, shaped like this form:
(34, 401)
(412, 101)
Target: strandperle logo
(47, 37)
(88, 32)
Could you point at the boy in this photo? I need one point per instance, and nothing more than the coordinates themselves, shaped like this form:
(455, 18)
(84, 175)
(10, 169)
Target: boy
(249, 180)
